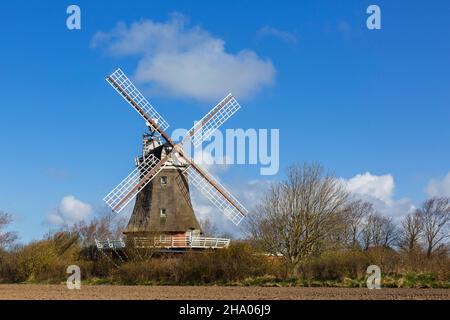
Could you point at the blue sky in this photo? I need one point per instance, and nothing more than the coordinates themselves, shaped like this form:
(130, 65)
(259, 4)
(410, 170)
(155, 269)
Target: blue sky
(359, 101)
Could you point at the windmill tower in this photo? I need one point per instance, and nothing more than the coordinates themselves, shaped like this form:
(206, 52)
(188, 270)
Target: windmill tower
(163, 206)
(160, 182)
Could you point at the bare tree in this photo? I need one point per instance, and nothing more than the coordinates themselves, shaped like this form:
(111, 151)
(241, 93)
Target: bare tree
(379, 231)
(367, 232)
(389, 233)
(103, 227)
(297, 214)
(357, 211)
(7, 238)
(209, 229)
(435, 215)
(411, 231)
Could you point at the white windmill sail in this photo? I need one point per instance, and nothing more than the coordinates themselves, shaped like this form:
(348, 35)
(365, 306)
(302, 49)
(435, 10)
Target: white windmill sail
(129, 187)
(217, 194)
(204, 128)
(120, 82)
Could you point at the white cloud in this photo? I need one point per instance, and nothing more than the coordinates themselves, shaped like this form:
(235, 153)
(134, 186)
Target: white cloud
(253, 192)
(55, 219)
(380, 187)
(379, 190)
(186, 61)
(70, 210)
(273, 32)
(439, 187)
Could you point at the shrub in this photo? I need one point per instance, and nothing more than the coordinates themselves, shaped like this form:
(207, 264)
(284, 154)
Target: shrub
(232, 264)
(219, 266)
(157, 270)
(41, 261)
(335, 266)
(386, 258)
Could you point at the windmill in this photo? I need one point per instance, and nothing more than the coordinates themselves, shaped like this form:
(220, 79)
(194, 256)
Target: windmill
(160, 181)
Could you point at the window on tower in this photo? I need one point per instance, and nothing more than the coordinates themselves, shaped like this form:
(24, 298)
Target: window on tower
(164, 180)
(162, 212)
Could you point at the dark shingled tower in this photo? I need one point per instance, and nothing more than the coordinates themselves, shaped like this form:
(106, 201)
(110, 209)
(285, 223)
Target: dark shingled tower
(164, 205)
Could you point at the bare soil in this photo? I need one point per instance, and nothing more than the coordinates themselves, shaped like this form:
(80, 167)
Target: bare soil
(106, 292)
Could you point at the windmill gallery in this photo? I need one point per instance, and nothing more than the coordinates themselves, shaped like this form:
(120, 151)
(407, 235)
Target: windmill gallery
(163, 215)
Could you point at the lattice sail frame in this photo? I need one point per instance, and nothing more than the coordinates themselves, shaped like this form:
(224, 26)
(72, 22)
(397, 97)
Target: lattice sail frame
(204, 128)
(127, 86)
(127, 187)
(207, 189)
